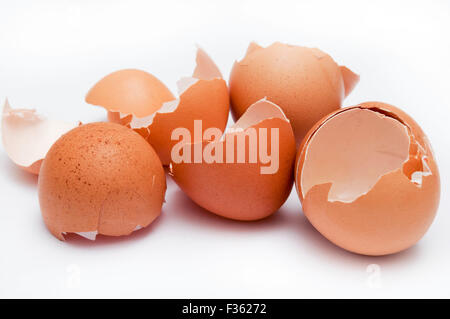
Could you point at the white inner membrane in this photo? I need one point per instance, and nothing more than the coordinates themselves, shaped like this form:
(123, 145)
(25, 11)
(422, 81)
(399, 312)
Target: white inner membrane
(353, 150)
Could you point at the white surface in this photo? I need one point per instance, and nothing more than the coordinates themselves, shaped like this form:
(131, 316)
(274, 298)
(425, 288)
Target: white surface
(51, 52)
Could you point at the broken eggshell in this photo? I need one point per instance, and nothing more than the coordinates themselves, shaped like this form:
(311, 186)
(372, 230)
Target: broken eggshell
(305, 82)
(140, 101)
(367, 179)
(27, 136)
(233, 186)
(100, 178)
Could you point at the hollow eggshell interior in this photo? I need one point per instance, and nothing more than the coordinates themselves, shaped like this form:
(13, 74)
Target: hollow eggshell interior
(354, 178)
(27, 136)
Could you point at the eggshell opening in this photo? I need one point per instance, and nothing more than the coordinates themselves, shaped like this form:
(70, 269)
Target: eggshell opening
(368, 180)
(27, 136)
(256, 191)
(352, 151)
(259, 111)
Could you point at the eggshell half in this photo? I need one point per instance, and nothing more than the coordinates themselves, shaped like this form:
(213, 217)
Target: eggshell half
(27, 136)
(239, 190)
(204, 96)
(305, 82)
(367, 179)
(100, 178)
(129, 91)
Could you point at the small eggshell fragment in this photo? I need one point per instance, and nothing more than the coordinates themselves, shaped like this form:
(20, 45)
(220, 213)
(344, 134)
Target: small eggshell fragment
(100, 178)
(27, 136)
(305, 82)
(350, 79)
(204, 96)
(242, 189)
(205, 69)
(368, 180)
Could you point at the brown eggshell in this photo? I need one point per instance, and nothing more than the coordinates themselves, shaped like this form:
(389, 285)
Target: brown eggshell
(396, 212)
(350, 79)
(205, 100)
(101, 178)
(306, 83)
(27, 136)
(239, 190)
(204, 96)
(129, 91)
(205, 69)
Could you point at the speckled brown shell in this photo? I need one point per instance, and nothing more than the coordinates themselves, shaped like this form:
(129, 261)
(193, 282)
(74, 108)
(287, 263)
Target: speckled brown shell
(100, 177)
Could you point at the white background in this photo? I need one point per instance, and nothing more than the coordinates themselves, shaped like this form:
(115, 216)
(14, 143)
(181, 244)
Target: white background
(52, 52)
